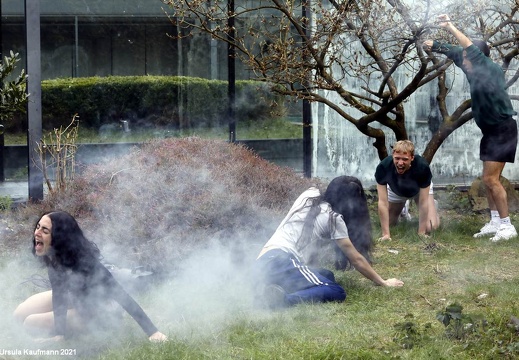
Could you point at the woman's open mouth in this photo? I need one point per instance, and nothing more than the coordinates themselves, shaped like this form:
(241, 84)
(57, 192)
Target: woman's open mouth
(39, 245)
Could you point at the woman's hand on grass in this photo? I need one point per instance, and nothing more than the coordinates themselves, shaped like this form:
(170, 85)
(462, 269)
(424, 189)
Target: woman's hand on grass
(158, 337)
(56, 338)
(394, 282)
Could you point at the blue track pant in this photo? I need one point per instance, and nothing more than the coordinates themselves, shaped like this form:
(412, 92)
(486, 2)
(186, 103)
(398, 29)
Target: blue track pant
(301, 283)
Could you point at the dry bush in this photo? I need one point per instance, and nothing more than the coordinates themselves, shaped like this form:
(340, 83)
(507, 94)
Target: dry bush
(57, 155)
(171, 197)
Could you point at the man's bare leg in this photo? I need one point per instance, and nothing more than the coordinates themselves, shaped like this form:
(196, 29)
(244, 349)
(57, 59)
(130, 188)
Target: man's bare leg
(496, 193)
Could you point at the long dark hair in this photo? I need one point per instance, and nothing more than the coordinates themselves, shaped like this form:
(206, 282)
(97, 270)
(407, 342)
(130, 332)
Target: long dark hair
(346, 196)
(69, 247)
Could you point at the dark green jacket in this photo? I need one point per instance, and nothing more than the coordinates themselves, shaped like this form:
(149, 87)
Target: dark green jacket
(490, 101)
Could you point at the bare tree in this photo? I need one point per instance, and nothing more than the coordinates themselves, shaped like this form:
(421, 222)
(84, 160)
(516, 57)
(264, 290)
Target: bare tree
(372, 41)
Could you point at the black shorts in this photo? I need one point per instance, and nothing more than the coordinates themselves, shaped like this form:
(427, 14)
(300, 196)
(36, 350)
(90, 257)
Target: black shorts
(499, 143)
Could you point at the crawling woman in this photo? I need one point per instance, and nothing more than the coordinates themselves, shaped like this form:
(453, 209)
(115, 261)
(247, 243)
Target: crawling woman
(340, 215)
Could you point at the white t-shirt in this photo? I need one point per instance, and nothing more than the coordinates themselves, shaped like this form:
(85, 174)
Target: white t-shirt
(328, 225)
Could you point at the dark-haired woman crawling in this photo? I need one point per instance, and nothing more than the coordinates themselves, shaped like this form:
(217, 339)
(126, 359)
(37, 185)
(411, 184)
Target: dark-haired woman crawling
(81, 287)
(340, 215)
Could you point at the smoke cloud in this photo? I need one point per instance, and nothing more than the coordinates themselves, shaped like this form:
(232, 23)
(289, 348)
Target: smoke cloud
(192, 213)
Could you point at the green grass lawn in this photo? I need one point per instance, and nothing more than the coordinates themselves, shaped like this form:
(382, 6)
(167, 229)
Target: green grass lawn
(373, 322)
(277, 128)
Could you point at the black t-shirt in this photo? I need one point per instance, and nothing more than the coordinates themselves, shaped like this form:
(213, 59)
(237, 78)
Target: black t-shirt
(409, 183)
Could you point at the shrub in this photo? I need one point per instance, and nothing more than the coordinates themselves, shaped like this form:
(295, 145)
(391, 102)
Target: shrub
(171, 197)
(13, 96)
(150, 101)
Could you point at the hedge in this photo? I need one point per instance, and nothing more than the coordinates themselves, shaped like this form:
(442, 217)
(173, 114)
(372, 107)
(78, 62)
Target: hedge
(172, 101)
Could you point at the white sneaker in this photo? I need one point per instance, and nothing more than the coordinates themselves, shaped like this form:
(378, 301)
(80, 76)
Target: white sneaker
(505, 232)
(490, 228)
(405, 215)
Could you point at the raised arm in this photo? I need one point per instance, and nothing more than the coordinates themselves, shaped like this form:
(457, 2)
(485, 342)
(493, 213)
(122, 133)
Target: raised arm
(445, 22)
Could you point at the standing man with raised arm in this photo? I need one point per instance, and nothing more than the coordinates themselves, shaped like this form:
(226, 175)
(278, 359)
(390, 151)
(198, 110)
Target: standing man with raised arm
(493, 112)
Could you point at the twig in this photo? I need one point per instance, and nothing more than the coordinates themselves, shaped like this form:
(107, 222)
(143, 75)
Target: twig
(117, 172)
(427, 301)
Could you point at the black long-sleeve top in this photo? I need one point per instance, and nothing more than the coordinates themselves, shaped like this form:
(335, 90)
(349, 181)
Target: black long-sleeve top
(86, 287)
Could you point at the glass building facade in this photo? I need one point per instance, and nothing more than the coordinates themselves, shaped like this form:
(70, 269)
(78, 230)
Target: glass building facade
(121, 38)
